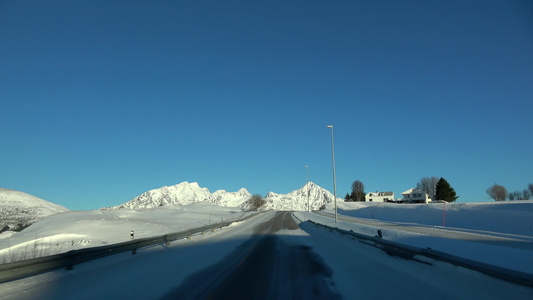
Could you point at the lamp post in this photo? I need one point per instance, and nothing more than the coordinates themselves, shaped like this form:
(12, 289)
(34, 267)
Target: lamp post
(334, 180)
(308, 207)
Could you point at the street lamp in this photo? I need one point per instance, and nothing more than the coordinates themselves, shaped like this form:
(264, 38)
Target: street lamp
(308, 207)
(334, 180)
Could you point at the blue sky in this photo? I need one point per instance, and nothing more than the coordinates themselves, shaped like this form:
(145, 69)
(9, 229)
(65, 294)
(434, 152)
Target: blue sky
(104, 100)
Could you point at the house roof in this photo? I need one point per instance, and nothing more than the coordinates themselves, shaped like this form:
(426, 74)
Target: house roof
(380, 194)
(411, 191)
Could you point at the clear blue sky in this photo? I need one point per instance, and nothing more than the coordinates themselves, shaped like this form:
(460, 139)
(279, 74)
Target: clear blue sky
(104, 100)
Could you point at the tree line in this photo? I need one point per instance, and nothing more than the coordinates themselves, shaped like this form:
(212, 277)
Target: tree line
(499, 193)
(440, 189)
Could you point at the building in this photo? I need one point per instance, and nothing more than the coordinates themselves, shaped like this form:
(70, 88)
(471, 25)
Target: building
(380, 197)
(415, 196)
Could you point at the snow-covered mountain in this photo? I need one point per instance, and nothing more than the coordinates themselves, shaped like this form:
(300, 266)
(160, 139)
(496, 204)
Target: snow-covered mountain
(19, 210)
(186, 193)
(230, 199)
(298, 199)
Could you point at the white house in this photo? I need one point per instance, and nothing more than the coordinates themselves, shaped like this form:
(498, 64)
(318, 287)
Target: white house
(380, 197)
(415, 196)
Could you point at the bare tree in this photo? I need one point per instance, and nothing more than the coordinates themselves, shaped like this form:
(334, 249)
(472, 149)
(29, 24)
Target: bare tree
(256, 202)
(530, 188)
(358, 191)
(428, 185)
(497, 192)
(524, 194)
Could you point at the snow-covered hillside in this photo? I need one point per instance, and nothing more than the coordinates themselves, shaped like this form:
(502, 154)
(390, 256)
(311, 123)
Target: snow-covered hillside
(186, 193)
(81, 229)
(19, 210)
(297, 200)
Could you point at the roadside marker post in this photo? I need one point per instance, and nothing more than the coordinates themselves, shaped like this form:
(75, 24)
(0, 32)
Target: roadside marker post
(444, 215)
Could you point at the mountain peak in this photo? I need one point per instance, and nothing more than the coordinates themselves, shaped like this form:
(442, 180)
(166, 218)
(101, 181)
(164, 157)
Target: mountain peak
(309, 195)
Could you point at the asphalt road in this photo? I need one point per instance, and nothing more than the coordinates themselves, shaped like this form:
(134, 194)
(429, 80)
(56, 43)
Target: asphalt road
(264, 267)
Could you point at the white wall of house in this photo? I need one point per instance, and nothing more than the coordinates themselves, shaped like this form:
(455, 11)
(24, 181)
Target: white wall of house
(380, 197)
(415, 196)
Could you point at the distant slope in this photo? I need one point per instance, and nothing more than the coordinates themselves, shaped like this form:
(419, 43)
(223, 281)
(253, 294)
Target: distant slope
(19, 210)
(186, 193)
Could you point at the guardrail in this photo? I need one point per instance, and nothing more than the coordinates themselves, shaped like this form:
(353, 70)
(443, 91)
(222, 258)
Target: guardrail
(403, 250)
(17, 270)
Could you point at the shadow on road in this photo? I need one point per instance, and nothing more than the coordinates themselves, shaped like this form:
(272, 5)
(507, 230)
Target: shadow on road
(264, 267)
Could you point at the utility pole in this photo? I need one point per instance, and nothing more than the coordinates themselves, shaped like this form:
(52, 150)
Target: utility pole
(308, 207)
(334, 180)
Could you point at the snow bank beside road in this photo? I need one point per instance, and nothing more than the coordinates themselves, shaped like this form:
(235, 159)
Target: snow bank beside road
(506, 217)
(513, 218)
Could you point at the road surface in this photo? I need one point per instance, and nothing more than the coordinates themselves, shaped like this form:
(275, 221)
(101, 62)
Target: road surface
(264, 267)
(270, 256)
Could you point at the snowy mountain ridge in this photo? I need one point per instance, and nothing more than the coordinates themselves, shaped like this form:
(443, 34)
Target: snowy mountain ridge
(18, 210)
(310, 193)
(186, 193)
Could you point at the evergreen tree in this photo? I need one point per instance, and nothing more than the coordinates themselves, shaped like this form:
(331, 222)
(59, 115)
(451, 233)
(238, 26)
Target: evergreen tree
(347, 198)
(444, 191)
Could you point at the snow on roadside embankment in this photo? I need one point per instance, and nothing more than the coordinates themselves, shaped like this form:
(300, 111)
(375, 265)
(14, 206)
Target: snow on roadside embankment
(79, 229)
(514, 218)
(505, 217)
